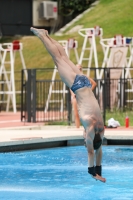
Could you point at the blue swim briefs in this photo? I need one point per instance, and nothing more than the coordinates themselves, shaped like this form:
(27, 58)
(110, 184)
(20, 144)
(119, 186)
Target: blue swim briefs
(80, 82)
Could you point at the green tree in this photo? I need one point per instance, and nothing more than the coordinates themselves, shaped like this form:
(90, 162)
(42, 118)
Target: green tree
(73, 7)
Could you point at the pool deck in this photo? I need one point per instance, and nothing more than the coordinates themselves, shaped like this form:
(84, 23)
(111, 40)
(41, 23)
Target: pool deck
(17, 135)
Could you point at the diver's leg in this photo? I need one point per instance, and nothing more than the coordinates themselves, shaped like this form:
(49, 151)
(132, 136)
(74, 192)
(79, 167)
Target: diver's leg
(43, 34)
(65, 57)
(65, 70)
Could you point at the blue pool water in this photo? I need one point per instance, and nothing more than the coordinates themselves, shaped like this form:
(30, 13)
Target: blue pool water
(61, 174)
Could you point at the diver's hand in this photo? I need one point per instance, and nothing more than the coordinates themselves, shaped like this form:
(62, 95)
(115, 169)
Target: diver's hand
(99, 178)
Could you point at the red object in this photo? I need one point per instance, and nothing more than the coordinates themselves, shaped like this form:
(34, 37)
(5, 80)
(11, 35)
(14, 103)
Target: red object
(118, 40)
(96, 31)
(127, 122)
(71, 43)
(16, 45)
(55, 9)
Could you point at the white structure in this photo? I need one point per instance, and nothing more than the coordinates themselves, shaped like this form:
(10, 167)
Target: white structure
(115, 53)
(72, 45)
(48, 10)
(68, 45)
(129, 41)
(44, 13)
(89, 35)
(115, 56)
(129, 69)
(7, 61)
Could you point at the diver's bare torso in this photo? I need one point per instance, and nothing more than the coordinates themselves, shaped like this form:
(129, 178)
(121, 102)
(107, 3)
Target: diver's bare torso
(88, 108)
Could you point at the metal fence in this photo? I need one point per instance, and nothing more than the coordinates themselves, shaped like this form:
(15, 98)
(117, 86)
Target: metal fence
(42, 100)
(40, 103)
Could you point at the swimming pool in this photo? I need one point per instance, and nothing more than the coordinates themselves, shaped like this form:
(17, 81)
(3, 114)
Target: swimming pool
(61, 174)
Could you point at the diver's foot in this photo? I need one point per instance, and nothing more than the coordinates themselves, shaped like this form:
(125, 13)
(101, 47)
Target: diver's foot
(39, 32)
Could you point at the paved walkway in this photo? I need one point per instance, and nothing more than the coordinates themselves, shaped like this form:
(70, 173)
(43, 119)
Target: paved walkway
(17, 135)
(13, 120)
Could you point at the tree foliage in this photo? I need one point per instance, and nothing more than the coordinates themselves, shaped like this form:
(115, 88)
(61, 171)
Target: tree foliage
(73, 7)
